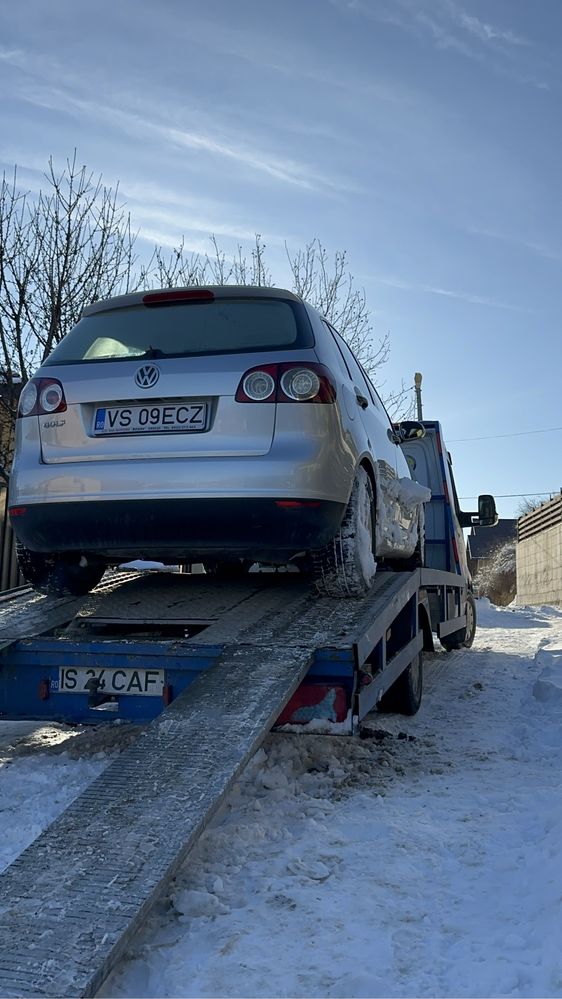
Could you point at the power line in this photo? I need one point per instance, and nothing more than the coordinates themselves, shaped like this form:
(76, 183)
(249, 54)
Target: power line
(551, 492)
(495, 437)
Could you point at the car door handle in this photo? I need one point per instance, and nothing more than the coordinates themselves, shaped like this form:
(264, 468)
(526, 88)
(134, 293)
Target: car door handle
(361, 399)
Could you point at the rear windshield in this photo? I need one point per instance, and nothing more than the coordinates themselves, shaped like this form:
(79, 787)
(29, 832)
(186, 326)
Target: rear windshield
(222, 326)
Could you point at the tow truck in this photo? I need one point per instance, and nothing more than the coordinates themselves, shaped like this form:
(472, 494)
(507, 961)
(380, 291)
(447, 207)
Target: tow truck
(211, 666)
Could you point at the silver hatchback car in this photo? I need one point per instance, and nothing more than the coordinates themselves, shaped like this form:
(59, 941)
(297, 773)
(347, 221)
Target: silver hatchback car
(227, 425)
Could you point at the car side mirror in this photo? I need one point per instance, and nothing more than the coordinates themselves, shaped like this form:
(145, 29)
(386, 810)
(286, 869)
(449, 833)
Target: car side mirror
(487, 513)
(408, 430)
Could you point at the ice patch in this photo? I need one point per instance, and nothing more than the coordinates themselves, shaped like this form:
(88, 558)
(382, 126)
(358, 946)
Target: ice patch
(320, 726)
(400, 526)
(194, 904)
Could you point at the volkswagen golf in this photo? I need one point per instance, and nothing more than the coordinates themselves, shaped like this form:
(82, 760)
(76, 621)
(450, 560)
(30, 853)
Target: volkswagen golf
(227, 425)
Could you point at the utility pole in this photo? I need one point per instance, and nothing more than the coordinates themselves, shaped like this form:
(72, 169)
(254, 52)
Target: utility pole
(417, 385)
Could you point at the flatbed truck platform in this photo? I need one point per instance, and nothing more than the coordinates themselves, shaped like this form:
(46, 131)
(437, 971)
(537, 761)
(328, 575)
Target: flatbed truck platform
(226, 662)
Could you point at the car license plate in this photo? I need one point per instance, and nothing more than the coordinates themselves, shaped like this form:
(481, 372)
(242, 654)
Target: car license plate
(146, 682)
(176, 418)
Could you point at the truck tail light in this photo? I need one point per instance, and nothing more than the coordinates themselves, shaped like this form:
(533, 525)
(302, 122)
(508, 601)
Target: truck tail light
(42, 397)
(287, 382)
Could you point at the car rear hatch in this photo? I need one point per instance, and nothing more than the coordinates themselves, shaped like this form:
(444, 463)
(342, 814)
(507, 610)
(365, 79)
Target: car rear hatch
(158, 380)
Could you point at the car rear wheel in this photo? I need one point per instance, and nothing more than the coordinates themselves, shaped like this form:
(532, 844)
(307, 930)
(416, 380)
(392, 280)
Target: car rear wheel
(59, 575)
(346, 566)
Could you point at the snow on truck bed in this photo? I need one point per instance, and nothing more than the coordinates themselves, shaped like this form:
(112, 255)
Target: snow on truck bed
(426, 860)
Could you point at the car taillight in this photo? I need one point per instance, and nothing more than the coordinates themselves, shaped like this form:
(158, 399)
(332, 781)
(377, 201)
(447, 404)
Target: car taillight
(259, 386)
(287, 382)
(42, 397)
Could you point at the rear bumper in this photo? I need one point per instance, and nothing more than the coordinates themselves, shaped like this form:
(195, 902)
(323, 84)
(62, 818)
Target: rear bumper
(181, 529)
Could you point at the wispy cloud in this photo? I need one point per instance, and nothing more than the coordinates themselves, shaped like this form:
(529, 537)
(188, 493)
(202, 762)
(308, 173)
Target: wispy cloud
(482, 30)
(215, 141)
(159, 213)
(428, 289)
(450, 27)
(300, 61)
(538, 248)
(286, 171)
(179, 219)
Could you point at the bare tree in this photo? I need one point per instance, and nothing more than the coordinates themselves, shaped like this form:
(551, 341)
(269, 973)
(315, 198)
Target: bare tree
(497, 576)
(330, 289)
(60, 251)
(528, 504)
(181, 268)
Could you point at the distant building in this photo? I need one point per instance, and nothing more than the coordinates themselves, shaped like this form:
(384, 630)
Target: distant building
(539, 555)
(483, 542)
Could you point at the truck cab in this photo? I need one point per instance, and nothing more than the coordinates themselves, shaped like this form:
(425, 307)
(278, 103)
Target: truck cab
(445, 549)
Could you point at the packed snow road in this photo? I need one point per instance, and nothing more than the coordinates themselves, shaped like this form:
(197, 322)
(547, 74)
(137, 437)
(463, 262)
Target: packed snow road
(426, 860)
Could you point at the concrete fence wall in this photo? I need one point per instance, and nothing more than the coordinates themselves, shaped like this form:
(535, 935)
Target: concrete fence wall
(539, 555)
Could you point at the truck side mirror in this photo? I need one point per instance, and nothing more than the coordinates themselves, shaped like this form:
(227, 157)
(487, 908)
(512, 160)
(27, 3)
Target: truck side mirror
(487, 514)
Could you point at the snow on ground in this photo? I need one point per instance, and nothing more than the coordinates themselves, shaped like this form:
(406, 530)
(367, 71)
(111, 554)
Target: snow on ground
(426, 860)
(43, 768)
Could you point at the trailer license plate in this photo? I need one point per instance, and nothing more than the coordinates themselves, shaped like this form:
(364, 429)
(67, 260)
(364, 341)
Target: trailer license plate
(190, 417)
(146, 682)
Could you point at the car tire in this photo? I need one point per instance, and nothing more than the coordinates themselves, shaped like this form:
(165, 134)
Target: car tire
(465, 637)
(346, 566)
(405, 695)
(58, 575)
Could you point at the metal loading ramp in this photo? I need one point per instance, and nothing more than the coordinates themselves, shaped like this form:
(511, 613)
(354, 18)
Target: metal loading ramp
(73, 900)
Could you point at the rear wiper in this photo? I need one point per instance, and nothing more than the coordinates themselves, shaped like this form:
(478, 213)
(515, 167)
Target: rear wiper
(151, 353)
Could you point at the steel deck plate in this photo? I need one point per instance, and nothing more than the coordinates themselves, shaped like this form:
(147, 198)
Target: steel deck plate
(263, 609)
(28, 614)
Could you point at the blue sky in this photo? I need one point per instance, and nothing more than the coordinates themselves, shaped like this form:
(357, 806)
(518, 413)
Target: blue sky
(422, 136)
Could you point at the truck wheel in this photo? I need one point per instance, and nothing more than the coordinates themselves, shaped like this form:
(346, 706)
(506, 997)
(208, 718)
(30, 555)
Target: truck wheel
(58, 575)
(405, 695)
(464, 637)
(346, 566)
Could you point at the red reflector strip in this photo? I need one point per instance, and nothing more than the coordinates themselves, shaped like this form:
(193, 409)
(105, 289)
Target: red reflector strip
(293, 504)
(315, 701)
(178, 295)
(17, 511)
(455, 549)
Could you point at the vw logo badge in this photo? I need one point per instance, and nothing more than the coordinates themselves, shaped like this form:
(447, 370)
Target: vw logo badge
(147, 376)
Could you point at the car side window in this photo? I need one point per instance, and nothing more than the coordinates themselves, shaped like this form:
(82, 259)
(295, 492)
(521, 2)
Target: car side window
(353, 365)
(358, 375)
(376, 397)
(335, 338)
